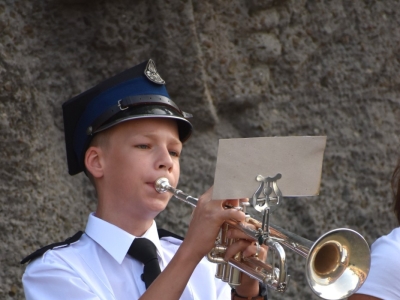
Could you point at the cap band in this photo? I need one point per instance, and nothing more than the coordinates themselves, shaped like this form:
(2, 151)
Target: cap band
(150, 111)
(128, 102)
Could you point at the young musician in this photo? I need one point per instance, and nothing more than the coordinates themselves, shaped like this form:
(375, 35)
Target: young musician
(125, 133)
(383, 281)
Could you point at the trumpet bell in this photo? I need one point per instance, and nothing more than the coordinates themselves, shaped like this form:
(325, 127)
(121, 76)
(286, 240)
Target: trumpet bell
(338, 264)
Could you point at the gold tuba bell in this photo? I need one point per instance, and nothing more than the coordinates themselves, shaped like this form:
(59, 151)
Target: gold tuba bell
(337, 263)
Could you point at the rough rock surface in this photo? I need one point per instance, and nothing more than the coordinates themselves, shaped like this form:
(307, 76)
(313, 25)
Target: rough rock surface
(244, 68)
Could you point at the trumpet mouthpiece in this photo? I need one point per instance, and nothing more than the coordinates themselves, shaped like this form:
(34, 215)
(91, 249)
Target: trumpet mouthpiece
(161, 185)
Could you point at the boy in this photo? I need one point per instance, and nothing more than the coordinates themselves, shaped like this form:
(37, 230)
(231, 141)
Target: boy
(125, 133)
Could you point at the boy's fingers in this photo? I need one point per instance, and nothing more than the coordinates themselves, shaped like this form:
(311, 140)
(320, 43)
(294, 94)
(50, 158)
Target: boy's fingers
(256, 250)
(238, 234)
(247, 248)
(236, 247)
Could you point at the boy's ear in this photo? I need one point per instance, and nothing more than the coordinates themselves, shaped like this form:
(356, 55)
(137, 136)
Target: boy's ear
(93, 161)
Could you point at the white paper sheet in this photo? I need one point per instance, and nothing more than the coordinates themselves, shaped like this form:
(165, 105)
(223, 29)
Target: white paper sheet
(297, 158)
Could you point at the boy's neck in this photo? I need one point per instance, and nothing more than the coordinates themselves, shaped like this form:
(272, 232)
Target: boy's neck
(135, 225)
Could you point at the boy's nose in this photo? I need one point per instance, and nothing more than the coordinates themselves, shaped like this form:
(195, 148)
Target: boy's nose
(165, 161)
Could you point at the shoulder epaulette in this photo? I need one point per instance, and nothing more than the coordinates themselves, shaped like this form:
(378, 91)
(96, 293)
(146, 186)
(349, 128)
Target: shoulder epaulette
(41, 251)
(165, 233)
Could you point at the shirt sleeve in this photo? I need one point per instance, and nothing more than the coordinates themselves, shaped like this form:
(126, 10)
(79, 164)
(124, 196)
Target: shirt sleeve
(46, 279)
(223, 290)
(383, 278)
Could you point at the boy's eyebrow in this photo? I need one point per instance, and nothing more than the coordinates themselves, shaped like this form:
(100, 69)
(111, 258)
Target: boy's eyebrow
(174, 139)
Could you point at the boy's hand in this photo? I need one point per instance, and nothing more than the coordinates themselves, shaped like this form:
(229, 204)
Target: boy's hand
(249, 287)
(207, 219)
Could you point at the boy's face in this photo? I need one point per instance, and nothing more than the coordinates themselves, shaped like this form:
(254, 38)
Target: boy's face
(138, 152)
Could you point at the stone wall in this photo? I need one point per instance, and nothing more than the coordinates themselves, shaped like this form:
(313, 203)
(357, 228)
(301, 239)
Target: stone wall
(244, 68)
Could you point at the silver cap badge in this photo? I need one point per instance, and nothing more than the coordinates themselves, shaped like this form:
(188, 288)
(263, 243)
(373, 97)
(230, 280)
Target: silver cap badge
(152, 74)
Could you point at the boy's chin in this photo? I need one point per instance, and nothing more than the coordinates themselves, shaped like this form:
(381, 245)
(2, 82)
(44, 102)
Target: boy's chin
(160, 204)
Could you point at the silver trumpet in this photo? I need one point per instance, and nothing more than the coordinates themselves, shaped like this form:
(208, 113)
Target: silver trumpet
(337, 263)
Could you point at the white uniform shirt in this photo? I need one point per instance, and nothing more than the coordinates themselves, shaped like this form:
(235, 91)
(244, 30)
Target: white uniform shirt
(98, 267)
(383, 280)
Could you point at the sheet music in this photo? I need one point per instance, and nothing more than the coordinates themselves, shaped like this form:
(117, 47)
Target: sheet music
(297, 158)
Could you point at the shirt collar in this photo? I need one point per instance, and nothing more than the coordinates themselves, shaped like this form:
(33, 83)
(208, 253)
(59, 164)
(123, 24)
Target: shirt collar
(115, 240)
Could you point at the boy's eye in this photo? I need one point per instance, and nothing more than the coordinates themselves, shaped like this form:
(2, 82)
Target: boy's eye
(142, 146)
(174, 153)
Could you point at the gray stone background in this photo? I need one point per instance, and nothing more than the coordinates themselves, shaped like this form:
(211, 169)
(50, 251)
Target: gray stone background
(244, 68)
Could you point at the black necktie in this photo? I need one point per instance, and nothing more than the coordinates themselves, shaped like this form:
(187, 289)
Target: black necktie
(145, 251)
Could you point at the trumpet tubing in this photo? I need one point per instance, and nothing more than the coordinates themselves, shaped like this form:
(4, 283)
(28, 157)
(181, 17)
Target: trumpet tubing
(337, 263)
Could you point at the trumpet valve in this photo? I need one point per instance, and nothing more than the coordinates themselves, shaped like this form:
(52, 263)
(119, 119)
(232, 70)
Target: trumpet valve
(234, 273)
(216, 255)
